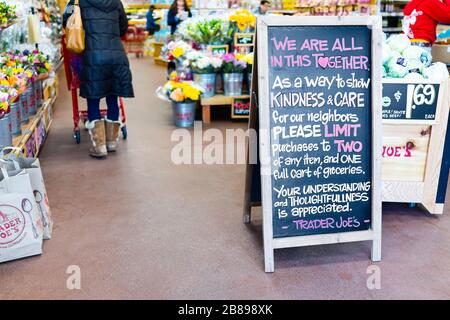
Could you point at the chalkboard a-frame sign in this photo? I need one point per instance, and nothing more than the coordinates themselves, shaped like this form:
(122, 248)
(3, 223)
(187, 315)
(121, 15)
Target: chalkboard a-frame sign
(318, 96)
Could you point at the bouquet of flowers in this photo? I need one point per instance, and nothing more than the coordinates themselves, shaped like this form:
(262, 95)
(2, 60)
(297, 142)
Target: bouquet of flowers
(38, 61)
(248, 58)
(203, 63)
(243, 19)
(4, 106)
(177, 49)
(182, 91)
(208, 30)
(233, 63)
(7, 14)
(17, 70)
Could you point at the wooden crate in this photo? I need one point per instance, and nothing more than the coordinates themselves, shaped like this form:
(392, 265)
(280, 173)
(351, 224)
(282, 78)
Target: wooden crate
(416, 178)
(405, 150)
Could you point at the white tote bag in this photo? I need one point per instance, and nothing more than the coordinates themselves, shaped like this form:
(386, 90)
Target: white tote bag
(33, 168)
(21, 230)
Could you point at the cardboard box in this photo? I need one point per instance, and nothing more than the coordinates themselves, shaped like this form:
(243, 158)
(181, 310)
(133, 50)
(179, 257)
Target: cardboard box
(441, 53)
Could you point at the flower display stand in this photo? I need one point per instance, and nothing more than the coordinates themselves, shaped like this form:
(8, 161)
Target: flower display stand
(36, 130)
(217, 100)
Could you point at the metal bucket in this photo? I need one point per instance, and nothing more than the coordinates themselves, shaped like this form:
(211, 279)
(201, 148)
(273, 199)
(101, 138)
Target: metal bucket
(38, 92)
(208, 82)
(5, 131)
(183, 114)
(232, 84)
(32, 110)
(24, 115)
(16, 129)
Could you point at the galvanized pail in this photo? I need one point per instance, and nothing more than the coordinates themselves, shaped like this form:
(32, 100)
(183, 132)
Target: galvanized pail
(208, 82)
(183, 114)
(24, 115)
(38, 91)
(5, 131)
(232, 84)
(16, 129)
(32, 110)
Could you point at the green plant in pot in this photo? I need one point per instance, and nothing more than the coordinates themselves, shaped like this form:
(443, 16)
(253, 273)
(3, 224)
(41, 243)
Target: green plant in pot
(211, 30)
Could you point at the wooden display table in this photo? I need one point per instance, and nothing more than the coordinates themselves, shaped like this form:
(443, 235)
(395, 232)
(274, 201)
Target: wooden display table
(217, 100)
(414, 164)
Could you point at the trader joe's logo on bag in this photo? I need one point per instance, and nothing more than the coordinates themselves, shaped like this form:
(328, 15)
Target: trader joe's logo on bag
(12, 224)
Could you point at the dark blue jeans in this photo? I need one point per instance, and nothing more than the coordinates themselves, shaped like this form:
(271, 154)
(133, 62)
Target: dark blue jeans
(94, 108)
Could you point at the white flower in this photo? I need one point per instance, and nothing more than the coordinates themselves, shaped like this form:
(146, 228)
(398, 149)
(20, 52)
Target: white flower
(172, 45)
(203, 62)
(3, 96)
(216, 62)
(193, 55)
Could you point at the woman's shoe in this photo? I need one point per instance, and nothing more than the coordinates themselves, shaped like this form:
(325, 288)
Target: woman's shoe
(112, 134)
(98, 138)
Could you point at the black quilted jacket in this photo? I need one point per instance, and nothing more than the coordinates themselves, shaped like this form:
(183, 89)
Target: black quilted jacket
(105, 70)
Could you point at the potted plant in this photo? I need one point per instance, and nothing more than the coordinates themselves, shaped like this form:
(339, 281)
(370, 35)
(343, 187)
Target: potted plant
(176, 51)
(204, 31)
(204, 68)
(233, 74)
(5, 121)
(243, 20)
(184, 97)
(248, 58)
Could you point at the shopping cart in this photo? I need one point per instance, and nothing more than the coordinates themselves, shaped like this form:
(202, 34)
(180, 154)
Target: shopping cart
(134, 40)
(73, 84)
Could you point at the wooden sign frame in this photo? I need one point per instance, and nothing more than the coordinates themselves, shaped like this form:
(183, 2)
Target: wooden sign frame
(237, 35)
(211, 47)
(374, 233)
(233, 116)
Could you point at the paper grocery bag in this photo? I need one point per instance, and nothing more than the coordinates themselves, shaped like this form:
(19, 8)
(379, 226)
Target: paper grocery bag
(20, 223)
(33, 168)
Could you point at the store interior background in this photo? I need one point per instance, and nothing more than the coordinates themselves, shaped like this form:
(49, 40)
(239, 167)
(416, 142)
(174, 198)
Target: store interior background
(141, 227)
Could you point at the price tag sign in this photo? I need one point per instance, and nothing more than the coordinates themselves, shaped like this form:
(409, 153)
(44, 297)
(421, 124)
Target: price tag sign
(413, 101)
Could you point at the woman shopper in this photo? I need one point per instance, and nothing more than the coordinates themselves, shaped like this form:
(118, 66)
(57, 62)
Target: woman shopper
(105, 70)
(178, 12)
(421, 19)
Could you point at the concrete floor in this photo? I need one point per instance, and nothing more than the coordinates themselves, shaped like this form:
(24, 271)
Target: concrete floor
(140, 227)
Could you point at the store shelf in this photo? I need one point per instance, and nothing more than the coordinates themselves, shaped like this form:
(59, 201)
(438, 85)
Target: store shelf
(161, 61)
(398, 29)
(59, 64)
(134, 22)
(9, 25)
(147, 5)
(392, 14)
(36, 130)
(220, 99)
(283, 11)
